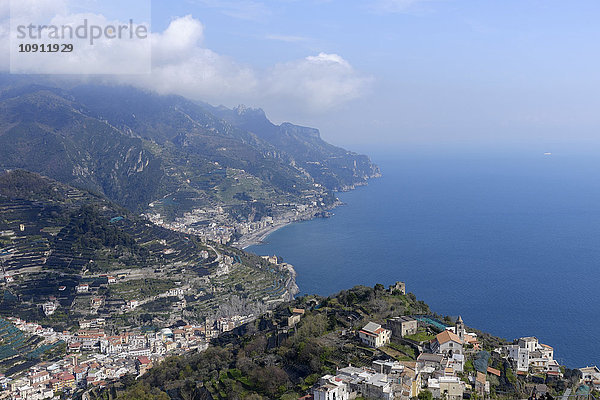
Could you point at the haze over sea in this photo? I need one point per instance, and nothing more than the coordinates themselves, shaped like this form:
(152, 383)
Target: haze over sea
(510, 240)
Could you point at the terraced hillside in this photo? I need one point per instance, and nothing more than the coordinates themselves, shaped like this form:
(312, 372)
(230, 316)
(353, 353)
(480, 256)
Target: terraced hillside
(19, 349)
(67, 254)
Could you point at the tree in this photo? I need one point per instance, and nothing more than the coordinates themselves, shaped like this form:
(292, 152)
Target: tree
(425, 395)
(143, 392)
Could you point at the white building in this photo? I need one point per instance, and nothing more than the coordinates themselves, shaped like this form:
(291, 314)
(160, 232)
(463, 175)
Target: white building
(590, 374)
(374, 335)
(456, 362)
(82, 288)
(520, 356)
(175, 292)
(49, 307)
(529, 353)
(446, 387)
(378, 386)
(366, 382)
(530, 343)
(448, 343)
(331, 388)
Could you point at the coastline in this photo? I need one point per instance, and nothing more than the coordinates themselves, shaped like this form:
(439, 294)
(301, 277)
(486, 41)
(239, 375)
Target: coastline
(257, 237)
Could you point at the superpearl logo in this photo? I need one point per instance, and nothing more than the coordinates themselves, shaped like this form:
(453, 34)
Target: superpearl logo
(84, 38)
(87, 31)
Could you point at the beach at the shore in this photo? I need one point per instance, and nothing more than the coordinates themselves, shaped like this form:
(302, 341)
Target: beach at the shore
(258, 236)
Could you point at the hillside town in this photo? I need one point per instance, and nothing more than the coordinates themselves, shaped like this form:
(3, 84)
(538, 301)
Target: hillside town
(93, 358)
(217, 225)
(450, 365)
(439, 368)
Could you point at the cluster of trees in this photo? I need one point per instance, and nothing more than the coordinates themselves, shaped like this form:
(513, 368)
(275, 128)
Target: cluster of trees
(378, 303)
(94, 231)
(20, 184)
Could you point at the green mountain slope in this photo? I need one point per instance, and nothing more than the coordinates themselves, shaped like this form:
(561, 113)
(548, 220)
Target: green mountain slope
(44, 131)
(54, 237)
(331, 166)
(137, 148)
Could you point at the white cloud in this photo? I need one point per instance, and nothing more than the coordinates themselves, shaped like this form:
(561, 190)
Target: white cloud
(313, 84)
(181, 36)
(182, 65)
(318, 83)
(53, 17)
(89, 56)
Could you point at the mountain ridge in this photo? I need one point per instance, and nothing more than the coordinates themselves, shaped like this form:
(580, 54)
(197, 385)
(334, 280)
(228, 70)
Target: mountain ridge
(138, 147)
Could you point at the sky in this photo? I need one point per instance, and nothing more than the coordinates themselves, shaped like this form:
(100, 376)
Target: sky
(377, 72)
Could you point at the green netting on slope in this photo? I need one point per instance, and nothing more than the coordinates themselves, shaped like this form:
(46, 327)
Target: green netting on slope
(481, 363)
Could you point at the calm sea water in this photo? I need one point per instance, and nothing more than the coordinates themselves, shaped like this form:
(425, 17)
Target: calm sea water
(510, 242)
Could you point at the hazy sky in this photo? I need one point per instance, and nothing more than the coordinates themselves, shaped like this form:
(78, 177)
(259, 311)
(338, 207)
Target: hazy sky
(388, 71)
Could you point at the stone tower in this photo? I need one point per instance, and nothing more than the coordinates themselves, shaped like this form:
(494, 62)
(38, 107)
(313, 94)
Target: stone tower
(459, 328)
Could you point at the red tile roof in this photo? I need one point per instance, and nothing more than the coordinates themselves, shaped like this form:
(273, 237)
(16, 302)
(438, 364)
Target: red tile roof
(65, 376)
(447, 336)
(480, 377)
(144, 360)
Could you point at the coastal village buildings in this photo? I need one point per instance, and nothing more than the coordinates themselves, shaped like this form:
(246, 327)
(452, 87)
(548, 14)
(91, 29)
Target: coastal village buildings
(374, 335)
(215, 224)
(402, 326)
(95, 358)
(447, 343)
(435, 371)
(590, 376)
(528, 354)
(446, 387)
(385, 380)
(331, 388)
(438, 369)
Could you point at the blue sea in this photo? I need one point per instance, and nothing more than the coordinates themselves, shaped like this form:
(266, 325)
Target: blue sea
(509, 239)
